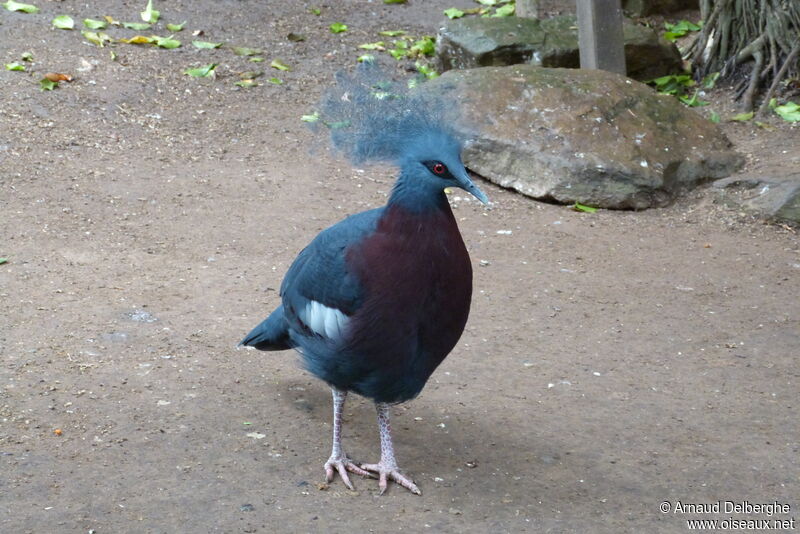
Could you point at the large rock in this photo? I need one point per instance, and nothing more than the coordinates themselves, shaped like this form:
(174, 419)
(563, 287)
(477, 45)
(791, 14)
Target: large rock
(649, 7)
(592, 137)
(483, 42)
(769, 195)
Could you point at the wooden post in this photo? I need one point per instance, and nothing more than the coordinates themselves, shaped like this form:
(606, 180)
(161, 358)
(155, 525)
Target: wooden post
(600, 39)
(527, 8)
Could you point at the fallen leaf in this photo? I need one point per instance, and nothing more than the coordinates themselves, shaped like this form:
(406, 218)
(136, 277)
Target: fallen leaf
(256, 435)
(315, 11)
(314, 117)
(586, 209)
(137, 39)
(112, 20)
(257, 59)
(166, 42)
(453, 13)
(380, 45)
(47, 85)
(789, 111)
(250, 74)
(278, 64)
(366, 58)
(246, 83)
(244, 51)
(202, 72)
(392, 33)
(338, 27)
(296, 37)
(136, 26)
(15, 66)
(93, 24)
(98, 38)
(742, 117)
(16, 6)
(58, 431)
(276, 81)
(176, 27)
(63, 22)
(206, 44)
(27, 56)
(58, 77)
(149, 14)
(3, 260)
(394, 1)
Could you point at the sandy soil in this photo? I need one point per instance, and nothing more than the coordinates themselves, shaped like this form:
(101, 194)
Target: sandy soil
(612, 361)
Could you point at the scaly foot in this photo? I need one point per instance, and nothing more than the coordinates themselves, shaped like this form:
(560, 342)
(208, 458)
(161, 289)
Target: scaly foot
(342, 464)
(390, 472)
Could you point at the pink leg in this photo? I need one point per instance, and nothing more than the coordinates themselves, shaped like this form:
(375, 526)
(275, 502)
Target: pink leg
(387, 467)
(339, 459)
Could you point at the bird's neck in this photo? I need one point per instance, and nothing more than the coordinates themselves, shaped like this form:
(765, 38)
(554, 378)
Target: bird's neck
(411, 194)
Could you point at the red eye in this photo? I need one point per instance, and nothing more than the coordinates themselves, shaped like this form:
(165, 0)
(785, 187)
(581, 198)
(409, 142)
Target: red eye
(438, 168)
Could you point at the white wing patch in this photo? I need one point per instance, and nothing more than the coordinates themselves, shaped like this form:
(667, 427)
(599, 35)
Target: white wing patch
(325, 321)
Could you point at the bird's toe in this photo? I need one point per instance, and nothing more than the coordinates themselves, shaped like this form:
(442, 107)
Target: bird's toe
(342, 465)
(386, 473)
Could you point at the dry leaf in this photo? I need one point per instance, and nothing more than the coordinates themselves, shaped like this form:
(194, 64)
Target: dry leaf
(58, 77)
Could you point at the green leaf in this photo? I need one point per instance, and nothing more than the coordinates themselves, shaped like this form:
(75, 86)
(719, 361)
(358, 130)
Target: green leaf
(244, 51)
(250, 74)
(314, 117)
(3, 260)
(98, 38)
(586, 209)
(789, 111)
(93, 24)
(15, 66)
(202, 72)
(166, 42)
(16, 6)
(710, 81)
(63, 22)
(276, 81)
(394, 1)
(504, 11)
(278, 64)
(338, 27)
(392, 33)
(714, 117)
(246, 83)
(453, 13)
(27, 56)
(206, 44)
(366, 58)
(398, 53)
(136, 26)
(47, 85)
(426, 46)
(315, 11)
(257, 59)
(742, 117)
(693, 101)
(380, 45)
(296, 37)
(426, 71)
(149, 14)
(176, 27)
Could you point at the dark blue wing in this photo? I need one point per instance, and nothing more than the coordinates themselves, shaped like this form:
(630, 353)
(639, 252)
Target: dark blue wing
(317, 286)
(320, 273)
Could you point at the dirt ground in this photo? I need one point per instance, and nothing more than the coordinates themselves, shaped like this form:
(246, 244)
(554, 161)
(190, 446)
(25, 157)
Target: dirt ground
(612, 361)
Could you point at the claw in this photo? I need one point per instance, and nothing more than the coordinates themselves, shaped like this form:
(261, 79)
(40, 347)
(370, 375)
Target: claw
(386, 473)
(342, 465)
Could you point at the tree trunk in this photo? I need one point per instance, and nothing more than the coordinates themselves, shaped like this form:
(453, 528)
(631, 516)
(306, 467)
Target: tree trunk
(754, 43)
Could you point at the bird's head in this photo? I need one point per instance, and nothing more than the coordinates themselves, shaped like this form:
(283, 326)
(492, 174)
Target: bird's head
(433, 161)
(372, 118)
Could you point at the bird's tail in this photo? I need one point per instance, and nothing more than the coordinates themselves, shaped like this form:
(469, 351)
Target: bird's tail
(271, 334)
